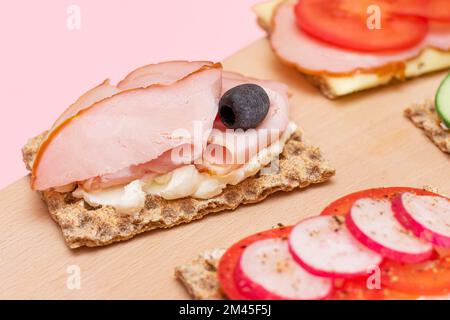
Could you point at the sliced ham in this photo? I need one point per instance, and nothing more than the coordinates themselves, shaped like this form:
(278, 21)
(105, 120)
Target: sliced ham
(233, 148)
(239, 145)
(439, 36)
(100, 92)
(123, 131)
(312, 56)
(220, 143)
(161, 165)
(162, 73)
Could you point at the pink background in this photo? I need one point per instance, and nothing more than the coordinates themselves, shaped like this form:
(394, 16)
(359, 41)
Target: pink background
(45, 67)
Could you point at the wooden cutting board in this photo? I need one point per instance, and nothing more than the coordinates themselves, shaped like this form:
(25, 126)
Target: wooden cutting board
(365, 137)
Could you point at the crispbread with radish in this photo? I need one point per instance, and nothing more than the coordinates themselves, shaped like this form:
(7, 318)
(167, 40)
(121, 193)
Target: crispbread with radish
(428, 217)
(324, 246)
(372, 222)
(260, 266)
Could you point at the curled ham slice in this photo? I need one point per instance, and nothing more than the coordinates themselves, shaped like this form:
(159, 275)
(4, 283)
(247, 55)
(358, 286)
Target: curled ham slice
(164, 73)
(161, 73)
(122, 130)
(236, 147)
(100, 92)
(167, 73)
(439, 36)
(311, 56)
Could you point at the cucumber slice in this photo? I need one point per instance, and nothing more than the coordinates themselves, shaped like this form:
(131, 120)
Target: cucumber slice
(443, 101)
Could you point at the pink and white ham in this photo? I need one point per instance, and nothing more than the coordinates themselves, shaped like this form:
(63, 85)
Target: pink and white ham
(243, 145)
(164, 73)
(428, 217)
(324, 247)
(439, 36)
(100, 92)
(122, 130)
(372, 222)
(266, 271)
(310, 55)
(236, 147)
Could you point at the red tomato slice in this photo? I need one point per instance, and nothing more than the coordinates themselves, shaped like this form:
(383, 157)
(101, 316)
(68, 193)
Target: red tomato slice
(343, 205)
(230, 260)
(344, 23)
(437, 10)
(356, 289)
(428, 278)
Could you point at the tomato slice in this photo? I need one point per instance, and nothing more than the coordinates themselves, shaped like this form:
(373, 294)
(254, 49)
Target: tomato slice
(437, 10)
(343, 205)
(344, 23)
(230, 259)
(356, 289)
(427, 278)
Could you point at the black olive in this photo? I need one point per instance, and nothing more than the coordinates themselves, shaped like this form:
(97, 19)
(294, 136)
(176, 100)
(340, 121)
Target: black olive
(244, 106)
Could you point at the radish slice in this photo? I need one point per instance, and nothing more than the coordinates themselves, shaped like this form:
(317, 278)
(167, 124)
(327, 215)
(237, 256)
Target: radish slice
(428, 217)
(324, 247)
(372, 222)
(267, 271)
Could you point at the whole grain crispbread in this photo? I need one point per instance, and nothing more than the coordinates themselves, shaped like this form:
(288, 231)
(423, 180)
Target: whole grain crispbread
(424, 116)
(300, 165)
(200, 275)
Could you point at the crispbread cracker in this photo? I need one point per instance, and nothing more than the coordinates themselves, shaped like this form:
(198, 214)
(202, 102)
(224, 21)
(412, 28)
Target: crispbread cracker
(200, 277)
(424, 116)
(300, 165)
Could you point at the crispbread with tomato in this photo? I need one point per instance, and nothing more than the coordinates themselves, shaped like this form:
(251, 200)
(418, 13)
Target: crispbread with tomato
(384, 243)
(345, 46)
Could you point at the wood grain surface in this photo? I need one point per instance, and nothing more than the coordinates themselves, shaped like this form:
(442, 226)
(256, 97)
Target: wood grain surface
(365, 137)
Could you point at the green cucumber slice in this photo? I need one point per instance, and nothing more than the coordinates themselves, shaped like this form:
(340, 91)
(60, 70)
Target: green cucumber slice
(443, 101)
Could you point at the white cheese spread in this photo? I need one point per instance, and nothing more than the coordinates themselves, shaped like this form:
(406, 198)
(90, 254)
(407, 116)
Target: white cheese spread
(185, 181)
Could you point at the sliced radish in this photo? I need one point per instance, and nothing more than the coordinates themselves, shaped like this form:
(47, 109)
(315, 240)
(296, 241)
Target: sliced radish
(372, 222)
(428, 217)
(324, 246)
(266, 271)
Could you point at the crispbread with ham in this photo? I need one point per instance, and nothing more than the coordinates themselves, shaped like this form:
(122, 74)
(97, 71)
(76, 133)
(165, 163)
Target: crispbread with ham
(337, 71)
(301, 164)
(155, 151)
